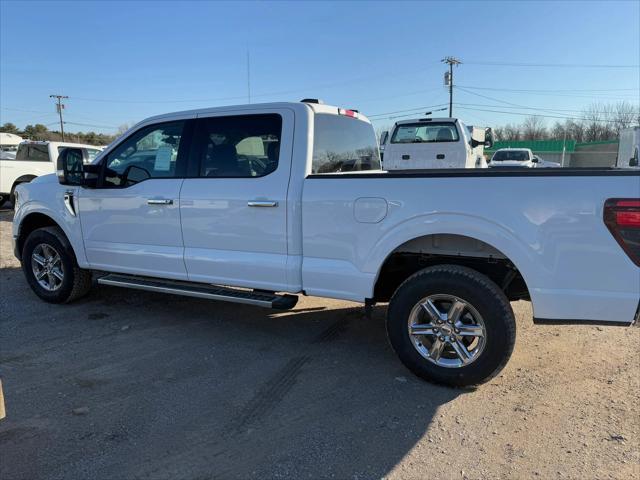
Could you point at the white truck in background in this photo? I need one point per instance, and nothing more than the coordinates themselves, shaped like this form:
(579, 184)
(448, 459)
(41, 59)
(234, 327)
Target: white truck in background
(33, 159)
(434, 143)
(519, 158)
(628, 148)
(9, 145)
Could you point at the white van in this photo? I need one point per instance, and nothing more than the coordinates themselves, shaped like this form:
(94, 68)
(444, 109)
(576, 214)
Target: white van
(628, 147)
(31, 160)
(428, 143)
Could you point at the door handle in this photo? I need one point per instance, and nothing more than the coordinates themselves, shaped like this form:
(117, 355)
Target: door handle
(440, 156)
(262, 203)
(159, 201)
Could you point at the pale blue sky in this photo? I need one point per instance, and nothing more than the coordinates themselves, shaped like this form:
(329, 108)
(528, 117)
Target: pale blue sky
(120, 62)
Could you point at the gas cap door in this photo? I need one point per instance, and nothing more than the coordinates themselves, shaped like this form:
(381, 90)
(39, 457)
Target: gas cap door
(370, 209)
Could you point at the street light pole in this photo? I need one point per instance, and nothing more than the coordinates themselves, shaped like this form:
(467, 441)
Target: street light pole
(59, 107)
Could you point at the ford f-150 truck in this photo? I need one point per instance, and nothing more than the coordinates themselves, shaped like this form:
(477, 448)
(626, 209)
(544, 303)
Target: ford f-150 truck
(260, 203)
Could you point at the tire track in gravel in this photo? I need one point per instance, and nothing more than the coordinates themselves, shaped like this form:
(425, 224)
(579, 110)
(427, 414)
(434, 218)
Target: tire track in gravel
(262, 403)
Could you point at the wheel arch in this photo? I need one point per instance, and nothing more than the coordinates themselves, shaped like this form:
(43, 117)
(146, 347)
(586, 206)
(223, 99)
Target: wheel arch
(468, 241)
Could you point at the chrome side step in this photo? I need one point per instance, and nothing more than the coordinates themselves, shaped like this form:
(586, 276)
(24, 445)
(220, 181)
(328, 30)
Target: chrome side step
(200, 290)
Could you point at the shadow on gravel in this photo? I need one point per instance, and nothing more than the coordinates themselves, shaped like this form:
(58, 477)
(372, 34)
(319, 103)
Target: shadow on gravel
(127, 384)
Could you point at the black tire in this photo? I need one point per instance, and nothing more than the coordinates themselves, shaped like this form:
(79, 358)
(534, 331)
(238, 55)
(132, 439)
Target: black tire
(480, 293)
(76, 282)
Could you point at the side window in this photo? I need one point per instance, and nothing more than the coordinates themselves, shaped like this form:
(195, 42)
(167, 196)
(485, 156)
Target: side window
(23, 152)
(425, 132)
(149, 153)
(239, 146)
(33, 153)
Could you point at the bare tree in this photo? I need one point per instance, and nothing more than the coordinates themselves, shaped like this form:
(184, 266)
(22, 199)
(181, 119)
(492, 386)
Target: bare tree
(624, 115)
(512, 132)
(533, 128)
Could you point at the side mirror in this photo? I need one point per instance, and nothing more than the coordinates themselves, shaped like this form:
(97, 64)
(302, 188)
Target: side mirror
(70, 166)
(383, 138)
(488, 138)
(535, 159)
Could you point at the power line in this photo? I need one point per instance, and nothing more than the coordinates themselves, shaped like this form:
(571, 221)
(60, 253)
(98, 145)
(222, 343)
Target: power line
(524, 90)
(414, 110)
(544, 116)
(553, 65)
(540, 109)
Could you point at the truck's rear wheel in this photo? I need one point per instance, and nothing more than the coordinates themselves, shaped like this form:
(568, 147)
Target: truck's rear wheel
(451, 325)
(50, 267)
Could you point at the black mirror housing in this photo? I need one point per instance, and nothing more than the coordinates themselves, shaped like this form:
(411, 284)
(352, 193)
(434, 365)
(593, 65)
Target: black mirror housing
(535, 159)
(70, 166)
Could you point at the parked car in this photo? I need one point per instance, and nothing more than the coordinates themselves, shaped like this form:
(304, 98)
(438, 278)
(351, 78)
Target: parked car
(31, 160)
(519, 158)
(431, 143)
(9, 145)
(628, 147)
(257, 204)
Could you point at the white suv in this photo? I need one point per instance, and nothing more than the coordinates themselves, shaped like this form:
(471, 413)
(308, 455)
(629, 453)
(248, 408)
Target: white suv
(32, 160)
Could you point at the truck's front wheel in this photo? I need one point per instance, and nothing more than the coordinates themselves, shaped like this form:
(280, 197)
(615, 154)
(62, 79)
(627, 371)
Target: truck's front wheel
(451, 325)
(50, 267)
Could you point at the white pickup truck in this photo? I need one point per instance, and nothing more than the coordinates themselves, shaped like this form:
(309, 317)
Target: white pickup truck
(434, 143)
(260, 203)
(31, 160)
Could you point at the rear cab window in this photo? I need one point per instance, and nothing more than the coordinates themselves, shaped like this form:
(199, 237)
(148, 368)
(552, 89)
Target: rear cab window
(343, 144)
(423, 132)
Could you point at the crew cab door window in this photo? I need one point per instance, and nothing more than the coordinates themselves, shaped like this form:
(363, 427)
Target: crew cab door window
(151, 152)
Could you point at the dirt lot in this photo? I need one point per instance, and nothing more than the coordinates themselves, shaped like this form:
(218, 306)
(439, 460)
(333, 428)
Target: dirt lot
(126, 384)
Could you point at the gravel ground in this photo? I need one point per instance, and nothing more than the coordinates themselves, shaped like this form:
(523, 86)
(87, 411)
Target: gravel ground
(126, 384)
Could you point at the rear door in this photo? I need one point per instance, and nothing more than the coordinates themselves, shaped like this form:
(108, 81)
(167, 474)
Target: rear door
(234, 208)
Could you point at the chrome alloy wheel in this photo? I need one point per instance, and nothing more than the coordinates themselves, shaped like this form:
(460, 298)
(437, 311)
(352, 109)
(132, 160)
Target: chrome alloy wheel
(447, 330)
(47, 267)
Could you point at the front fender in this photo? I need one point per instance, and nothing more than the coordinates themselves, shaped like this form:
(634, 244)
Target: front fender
(52, 206)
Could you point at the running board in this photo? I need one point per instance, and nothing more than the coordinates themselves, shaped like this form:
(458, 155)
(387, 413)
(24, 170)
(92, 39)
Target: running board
(200, 290)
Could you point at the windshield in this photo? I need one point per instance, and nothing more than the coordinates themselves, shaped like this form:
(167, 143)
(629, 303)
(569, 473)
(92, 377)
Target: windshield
(511, 155)
(425, 132)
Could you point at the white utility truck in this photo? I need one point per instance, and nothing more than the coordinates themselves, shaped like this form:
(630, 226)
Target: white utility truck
(257, 204)
(33, 159)
(628, 148)
(433, 143)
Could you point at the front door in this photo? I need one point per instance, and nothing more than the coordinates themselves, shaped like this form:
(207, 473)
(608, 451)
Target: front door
(131, 220)
(234, 210)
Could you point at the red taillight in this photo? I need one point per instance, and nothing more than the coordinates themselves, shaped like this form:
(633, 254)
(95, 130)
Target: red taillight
(622, 218)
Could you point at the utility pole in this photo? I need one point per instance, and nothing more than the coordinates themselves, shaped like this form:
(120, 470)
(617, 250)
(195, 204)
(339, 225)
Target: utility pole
(451, 61)
(60, 107)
